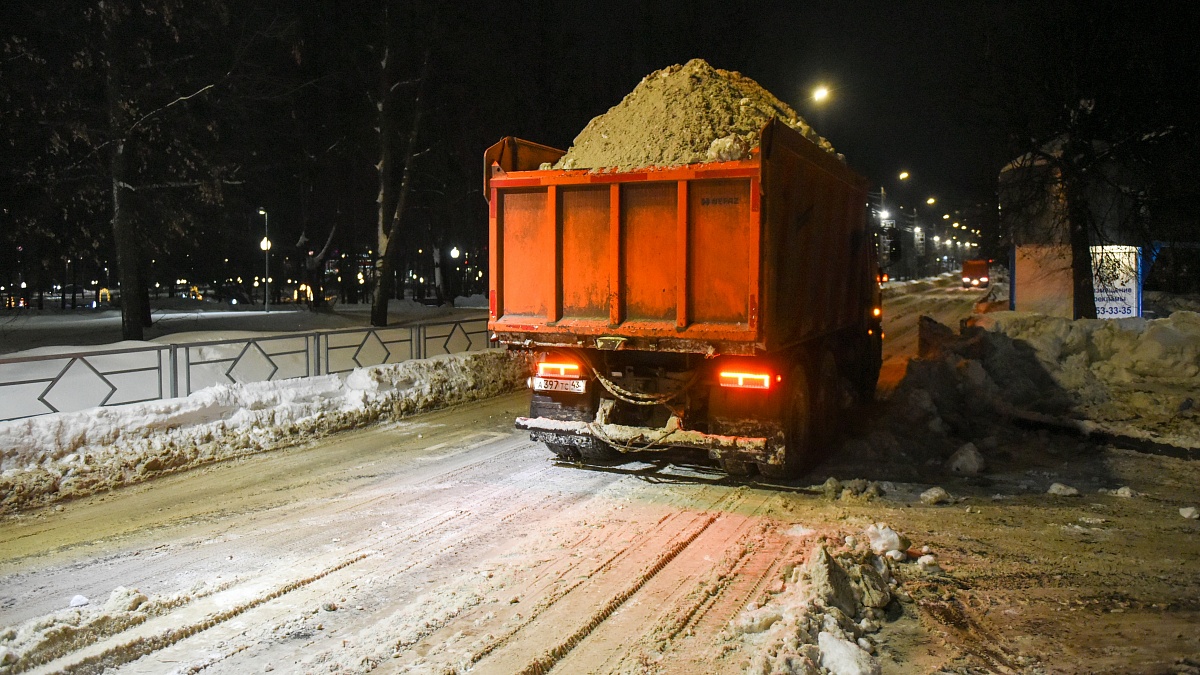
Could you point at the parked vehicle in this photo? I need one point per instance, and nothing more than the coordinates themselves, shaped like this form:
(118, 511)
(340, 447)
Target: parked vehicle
(975, 273)
(730, 307)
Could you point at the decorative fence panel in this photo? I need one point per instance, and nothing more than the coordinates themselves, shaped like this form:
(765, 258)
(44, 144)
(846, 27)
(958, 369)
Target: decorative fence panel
(37, 385)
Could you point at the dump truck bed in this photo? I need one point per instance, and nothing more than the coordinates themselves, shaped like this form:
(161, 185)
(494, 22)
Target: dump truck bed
(732, 257)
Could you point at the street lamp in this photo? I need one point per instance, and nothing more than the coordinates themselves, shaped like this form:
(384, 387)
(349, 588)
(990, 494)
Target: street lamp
(903, 175)
(931, 201)
(820, 93)
(265, 245)
(454, 253)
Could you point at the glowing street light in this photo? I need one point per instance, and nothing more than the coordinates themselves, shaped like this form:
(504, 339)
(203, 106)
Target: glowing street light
(265, 245)
(884, 214)
(903, 175)
(820, 94)
(454, 253)
(931, 201)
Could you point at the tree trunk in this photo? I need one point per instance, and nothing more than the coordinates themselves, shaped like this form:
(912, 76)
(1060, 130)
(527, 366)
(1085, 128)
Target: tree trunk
(1079, 232)
(387, 187)
(124, 236)
(389, 246)
(438, 285)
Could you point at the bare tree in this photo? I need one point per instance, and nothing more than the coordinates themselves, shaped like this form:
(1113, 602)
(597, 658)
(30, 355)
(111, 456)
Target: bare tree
(392, 193)
(1077, 89)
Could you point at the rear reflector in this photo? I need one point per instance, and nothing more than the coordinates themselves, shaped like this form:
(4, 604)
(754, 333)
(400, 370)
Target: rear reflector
(561, 370)
(745, 380)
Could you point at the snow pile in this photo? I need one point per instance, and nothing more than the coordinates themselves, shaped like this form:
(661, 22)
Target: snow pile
(682, 115)
(477, 301)
(1134, 376)
(51, 457)
(950, 415)
(828, 608)
(45, 638)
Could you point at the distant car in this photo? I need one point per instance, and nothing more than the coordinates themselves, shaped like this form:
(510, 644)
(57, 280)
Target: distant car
(975, 274)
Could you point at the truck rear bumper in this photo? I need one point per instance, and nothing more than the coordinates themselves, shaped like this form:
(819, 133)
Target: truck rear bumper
(627, 438)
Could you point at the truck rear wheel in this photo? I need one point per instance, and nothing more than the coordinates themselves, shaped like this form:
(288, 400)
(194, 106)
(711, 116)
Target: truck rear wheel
(826, 404)
(567, 453)
(735, 467)
(798, 428)
(871, 360)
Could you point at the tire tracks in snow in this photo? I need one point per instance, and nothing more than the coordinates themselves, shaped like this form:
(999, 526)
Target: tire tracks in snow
(522, 649)
(422, 544)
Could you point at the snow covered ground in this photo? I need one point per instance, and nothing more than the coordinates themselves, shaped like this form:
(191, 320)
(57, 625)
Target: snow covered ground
(63, 455)
(26, 331)
(1135, 377)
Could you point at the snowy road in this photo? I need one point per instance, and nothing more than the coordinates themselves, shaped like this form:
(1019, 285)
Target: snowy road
(944, 300)
(450, 543)
(446, 541)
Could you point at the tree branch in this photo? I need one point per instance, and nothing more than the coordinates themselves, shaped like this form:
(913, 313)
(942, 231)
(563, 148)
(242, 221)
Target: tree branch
(181, 99)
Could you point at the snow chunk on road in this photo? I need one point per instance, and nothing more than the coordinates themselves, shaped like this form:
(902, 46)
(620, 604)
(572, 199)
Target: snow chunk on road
(1062, 490)
(935, 495)
(967, 461)
(843, 657)
(884, 538)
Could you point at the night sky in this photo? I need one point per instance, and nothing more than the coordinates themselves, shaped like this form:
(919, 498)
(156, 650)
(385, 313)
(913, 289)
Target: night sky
(899, 75)
(913, 88)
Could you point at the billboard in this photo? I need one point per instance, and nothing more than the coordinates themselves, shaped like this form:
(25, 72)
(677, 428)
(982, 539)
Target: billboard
(1116, 276)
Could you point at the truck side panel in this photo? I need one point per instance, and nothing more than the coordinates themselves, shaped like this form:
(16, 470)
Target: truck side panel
(816, 261)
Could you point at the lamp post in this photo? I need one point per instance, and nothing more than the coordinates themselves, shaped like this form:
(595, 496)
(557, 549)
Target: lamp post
(265, 245)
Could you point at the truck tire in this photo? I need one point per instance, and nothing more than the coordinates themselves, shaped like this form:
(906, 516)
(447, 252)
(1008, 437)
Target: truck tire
(872, 363)
(826, 403)
(564, 452)
(798, 428)
(735, 467)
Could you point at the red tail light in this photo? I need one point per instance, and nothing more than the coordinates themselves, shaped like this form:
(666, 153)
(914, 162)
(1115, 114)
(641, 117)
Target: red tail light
(562, 370)
(742, 380)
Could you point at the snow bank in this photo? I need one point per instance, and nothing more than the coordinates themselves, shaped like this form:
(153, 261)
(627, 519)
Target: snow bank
(1134, 376)
(51, 457)
(477, 301)
(43, 639)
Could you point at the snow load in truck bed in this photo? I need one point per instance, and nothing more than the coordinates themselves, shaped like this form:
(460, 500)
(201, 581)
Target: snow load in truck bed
(682, 115)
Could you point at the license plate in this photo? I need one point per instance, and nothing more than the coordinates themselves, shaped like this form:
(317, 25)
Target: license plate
(551, 384)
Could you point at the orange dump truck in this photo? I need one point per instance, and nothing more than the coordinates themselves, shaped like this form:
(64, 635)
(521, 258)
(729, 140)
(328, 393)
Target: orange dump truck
(729, 307)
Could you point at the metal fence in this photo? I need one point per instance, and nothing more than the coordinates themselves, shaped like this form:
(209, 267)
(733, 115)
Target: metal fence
(37, 385)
